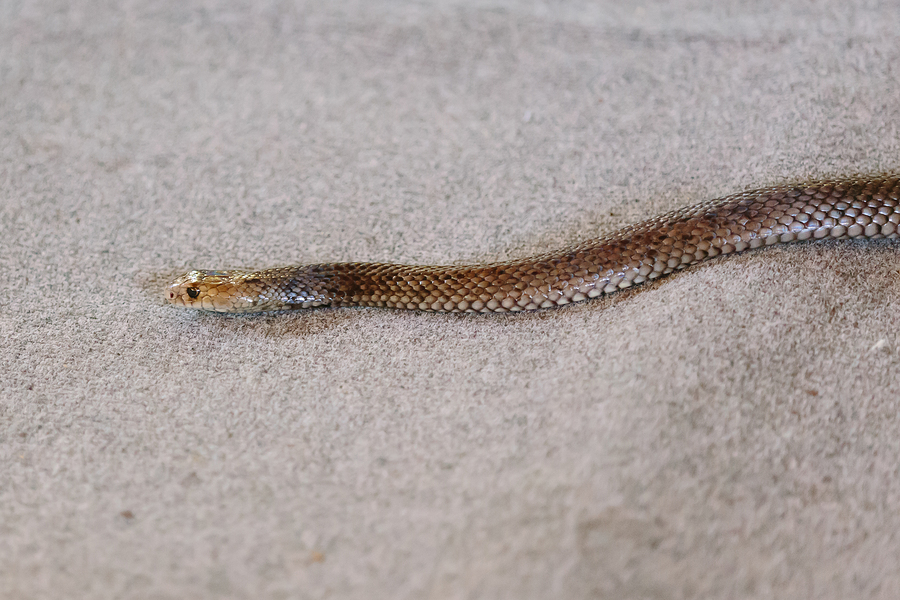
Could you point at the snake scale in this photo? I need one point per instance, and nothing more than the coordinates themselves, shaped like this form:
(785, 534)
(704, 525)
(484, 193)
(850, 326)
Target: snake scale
(853, 207)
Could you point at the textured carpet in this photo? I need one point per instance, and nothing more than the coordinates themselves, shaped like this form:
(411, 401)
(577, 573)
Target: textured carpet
(730, 432)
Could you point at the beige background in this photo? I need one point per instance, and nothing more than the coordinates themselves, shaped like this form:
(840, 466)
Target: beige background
(731, 432)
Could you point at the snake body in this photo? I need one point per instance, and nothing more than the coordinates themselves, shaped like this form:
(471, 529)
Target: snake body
(857, 207)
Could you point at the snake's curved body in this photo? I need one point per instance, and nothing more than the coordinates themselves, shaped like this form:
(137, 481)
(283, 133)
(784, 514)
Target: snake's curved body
(861, 207)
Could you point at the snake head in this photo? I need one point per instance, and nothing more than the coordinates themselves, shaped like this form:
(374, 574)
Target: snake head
(215, 291)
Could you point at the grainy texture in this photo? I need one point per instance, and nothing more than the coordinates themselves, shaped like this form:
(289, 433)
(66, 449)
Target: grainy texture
(729, 431)
(861, 207)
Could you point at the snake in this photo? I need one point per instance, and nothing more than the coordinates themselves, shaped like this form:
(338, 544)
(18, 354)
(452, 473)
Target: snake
(838, 208)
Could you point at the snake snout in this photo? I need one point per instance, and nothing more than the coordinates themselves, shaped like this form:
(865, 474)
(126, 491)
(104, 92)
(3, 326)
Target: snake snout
(177, 294)
(184, 290)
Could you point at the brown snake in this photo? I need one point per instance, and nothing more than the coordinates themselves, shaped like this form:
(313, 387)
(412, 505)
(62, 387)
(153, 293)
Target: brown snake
(857, 207)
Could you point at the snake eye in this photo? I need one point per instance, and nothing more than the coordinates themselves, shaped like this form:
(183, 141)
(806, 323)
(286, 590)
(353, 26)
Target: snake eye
(193, 292)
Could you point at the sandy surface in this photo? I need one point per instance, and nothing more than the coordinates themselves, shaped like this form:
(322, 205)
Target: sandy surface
(731, 432)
